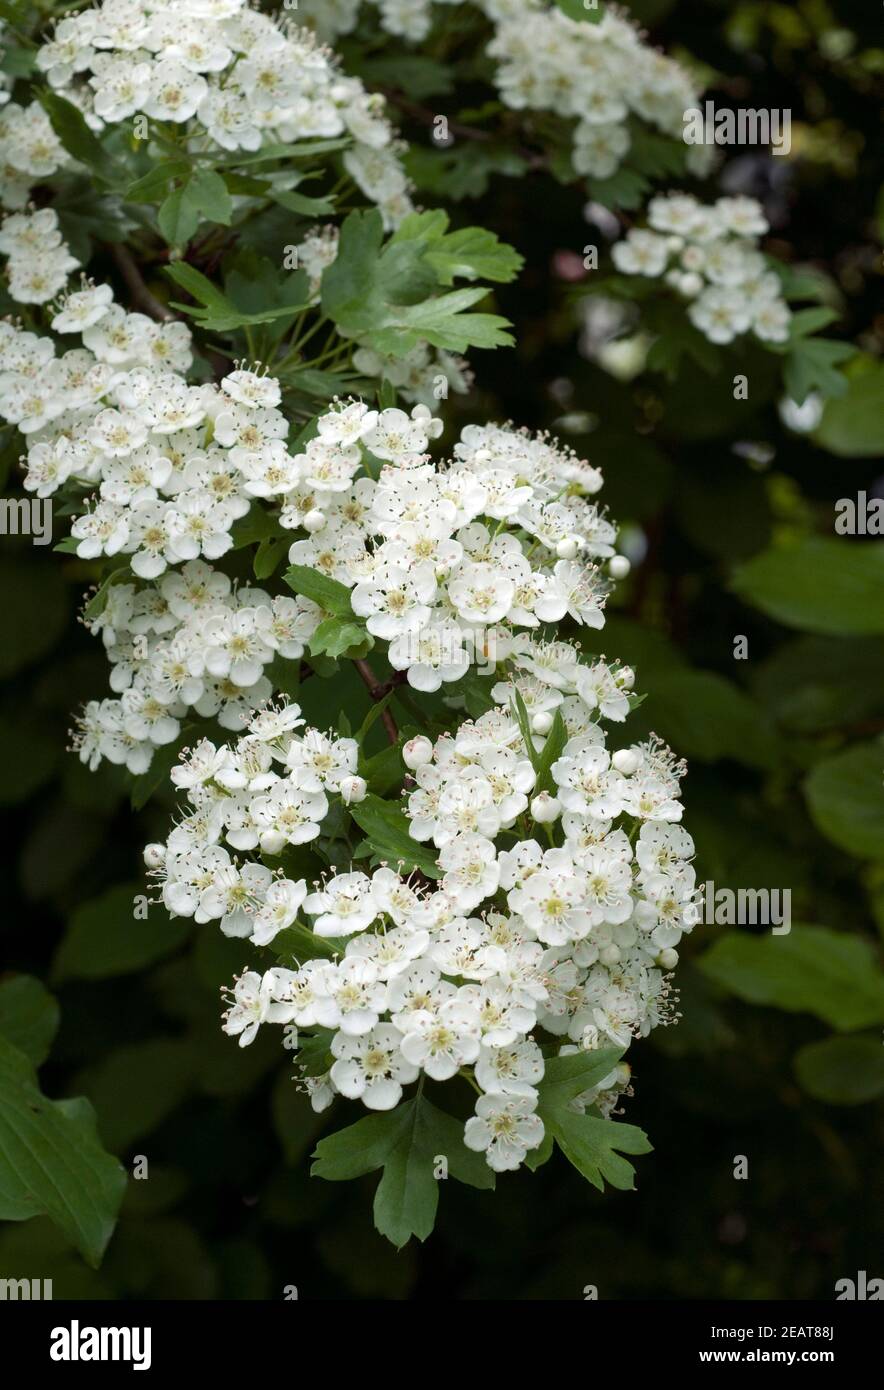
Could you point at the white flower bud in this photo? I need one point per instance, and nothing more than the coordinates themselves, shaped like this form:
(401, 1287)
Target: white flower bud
(154, 856)
(668, 959)
(545, 808)
(626, 678)
(542, 722)
(353, 789)
(568, 548)
(618, 567)
(609, 955)
(626, 761)
(314, 520)
(417, 752)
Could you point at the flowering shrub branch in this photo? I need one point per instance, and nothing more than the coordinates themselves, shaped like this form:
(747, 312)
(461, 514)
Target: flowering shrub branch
(494, 899)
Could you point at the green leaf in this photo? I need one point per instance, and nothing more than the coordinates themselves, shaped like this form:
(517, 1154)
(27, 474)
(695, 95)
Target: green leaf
(301, 149)
(585, 11)
(470, 254)
(198, 285)
(845, 795)
(105, 938)
(384, 770)
(300, 943)
(812, 970)
(219, 314)
(178, 218)
(407, 1143)
(28, 1017)
(70, 126)
(153, 185)
(565, 1078)
(301, 203)
(51, 1161)
(818, 584)
(98, 601)
(268, 556)
(550, 753)
(208, 193)
(387, 829)
(330, 594)
(842, 1071)
(853, 426)
(593, 1145)
(811, 366)
(341, 637)
(524, 723)
(379, 294)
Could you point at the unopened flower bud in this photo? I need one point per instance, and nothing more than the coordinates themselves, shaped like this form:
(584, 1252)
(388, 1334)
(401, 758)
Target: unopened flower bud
(626, 760)
(609, 955)
(626, 678)
(314, 520)
(417, 752)
(618, 567)
(568, 548)
(353, 789)
(545, 808)
(542, 722)
(668, 959)
(154, 856)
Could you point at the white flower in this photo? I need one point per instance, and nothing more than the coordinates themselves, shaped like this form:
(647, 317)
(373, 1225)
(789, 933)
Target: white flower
(514, 1070)
(280, 907)
(253, 1005)
(470, 871)
(372, 1068)
(481, 593)
(641, 253)
(442, 1040)
(504, 1128)
(345, 905)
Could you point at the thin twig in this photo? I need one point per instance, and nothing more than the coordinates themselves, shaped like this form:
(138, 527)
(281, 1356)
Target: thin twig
(378, 690)
(141, 295)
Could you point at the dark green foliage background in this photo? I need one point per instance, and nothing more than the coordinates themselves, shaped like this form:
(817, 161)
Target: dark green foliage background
(229, 1210)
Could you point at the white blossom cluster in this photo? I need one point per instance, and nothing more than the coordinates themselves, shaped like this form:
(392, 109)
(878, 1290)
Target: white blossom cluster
(29, 150)
(446, 562)
(192, 640)
(596, 74)
(38, 260)
(206, 68)
(709, 254)
(574, 941)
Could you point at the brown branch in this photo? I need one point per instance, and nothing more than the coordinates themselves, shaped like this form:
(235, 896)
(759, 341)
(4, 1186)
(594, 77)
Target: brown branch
(378, 690)
(141, 295)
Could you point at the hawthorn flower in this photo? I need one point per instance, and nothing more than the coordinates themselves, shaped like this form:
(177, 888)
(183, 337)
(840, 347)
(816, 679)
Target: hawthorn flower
(443, 1040)
(372, 1068)
(345, 905)
(252, 1005)
(504, 1128)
